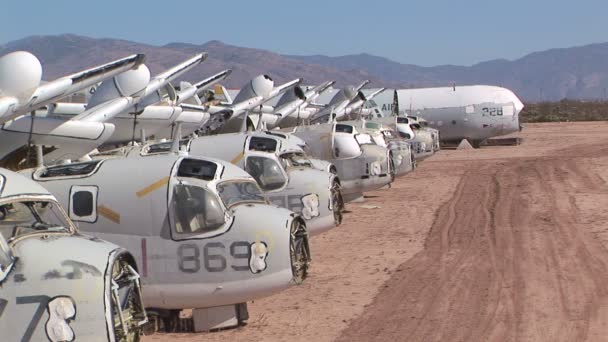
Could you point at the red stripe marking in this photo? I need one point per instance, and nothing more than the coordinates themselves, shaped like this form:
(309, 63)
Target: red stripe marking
(144, 258)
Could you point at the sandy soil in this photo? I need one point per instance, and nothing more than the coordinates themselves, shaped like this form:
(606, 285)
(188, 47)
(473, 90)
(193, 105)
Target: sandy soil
(495, 244)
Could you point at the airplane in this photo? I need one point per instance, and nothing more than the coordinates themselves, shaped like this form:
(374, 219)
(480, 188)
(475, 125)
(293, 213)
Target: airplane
(403, 158)
(290, 109)
(280, 168)
(157, 120)
(228, 118)
(475, 113)
(21, 90)
(345, 103)
(193, 224)
(130, 91)
(56, 284)
(421, 124)
(424, 140)
(360, 164)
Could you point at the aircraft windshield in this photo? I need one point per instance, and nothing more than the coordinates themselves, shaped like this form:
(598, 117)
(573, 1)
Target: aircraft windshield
(295, 160)
(364, 139)
(196, 210)
(233, 193)
(267, 172)
(21, 218)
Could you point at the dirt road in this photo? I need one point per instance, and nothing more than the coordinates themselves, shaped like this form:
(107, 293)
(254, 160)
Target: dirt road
(495, 244)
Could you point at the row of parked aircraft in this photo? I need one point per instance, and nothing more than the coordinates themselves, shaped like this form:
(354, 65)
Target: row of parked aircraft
(190, 196)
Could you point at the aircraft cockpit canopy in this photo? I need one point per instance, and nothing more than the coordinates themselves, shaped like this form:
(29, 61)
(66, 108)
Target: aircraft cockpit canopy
(236, 192)
(266, 171)
(262, 144)
(18, 218)
(197, 168)
(75, 169)
(195, 210)
(341, 128)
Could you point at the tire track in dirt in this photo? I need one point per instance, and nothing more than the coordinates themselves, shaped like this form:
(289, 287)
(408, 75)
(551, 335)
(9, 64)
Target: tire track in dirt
(506, 259)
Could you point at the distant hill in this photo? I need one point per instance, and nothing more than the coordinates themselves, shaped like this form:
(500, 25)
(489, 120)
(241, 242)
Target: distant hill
(577, 72)
(64, 54)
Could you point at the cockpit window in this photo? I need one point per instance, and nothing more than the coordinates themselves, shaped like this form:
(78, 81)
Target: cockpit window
(233, 193)
(196, 210)
(372, 125)
(344, 128)
(295, 160)
(402, 120)
(196, 168)
(267, 172)
(364, 139)
(280, 135)
(262, 144)
(21, 218)
(76, 169)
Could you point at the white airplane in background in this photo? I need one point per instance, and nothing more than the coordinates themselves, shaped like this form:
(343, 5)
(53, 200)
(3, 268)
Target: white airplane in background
(475, 113)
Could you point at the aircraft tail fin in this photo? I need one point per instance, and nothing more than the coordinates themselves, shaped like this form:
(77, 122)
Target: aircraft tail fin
(395, 106)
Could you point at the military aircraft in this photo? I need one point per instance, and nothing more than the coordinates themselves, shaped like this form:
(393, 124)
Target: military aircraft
(228, 118)
(21, 75)
(156, 120)
(360, 164)
(281, 170)
(56, 284)
(192, 224)
(403, 158)
(345, 104)
(290, 109)
(475, 113)
(130, 91)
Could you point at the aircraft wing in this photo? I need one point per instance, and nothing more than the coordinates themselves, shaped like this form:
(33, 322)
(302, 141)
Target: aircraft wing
(360, 86)
(169, 75)
(323, 86)
(206, 83)
(105, 111)
(374, 94)
(284, 87)
(67, 85)
(191, 92)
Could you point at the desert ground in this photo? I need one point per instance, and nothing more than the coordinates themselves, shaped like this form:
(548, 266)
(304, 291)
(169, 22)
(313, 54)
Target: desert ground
(501, 243)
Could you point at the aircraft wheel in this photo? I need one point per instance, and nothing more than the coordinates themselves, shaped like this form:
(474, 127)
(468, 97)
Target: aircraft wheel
(337, 201)
(299, 251)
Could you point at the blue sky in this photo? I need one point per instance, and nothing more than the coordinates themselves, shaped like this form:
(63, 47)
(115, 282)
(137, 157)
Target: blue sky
(432, 32)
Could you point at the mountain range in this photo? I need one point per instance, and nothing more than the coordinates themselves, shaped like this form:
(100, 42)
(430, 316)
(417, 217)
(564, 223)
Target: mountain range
(576, 73)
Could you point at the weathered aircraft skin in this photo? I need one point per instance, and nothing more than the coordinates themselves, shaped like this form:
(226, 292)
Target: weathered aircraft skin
(361, 166)
(424, 141)
(403, 158)
(282, 171)
(55, 284)
(475, 112)
(129, 92)
(21, 90)
(192, 223)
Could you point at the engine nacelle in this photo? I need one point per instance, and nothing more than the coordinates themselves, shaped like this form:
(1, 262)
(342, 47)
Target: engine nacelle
(126, 84)
(260, 85)
(20, 75)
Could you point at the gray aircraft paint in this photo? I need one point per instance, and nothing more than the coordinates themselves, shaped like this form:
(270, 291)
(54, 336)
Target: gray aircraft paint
(300, 182)
(182, 271)
(354, 170)
(73, 274)
(472, 112)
